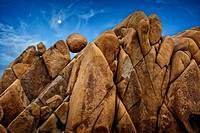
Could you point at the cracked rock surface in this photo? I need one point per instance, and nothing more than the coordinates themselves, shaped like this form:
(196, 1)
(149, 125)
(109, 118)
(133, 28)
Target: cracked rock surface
(129, 79)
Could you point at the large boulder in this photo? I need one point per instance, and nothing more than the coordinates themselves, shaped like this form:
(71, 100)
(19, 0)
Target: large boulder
(76, 42)
(92, 100)
(56, 57)
(108, 43)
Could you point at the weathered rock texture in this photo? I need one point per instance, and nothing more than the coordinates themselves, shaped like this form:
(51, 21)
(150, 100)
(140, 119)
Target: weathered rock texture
(129, 79)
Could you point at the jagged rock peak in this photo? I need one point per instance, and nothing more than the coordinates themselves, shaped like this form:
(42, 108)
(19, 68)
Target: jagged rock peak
(129, 79)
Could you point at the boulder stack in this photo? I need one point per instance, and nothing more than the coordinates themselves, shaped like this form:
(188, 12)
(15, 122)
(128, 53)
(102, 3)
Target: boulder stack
(129, 79)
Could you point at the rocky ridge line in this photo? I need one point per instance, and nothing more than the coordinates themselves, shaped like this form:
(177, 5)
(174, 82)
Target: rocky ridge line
(129, 79)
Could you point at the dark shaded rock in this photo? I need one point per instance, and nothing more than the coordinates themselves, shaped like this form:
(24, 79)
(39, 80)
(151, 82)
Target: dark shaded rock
(35, 79)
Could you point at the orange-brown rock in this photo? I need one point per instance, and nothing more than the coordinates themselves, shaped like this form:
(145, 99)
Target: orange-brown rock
(167, 122)
(129, 79)
(133, 92)
(29, 56)
(130, 22)
(143, 34)
(13, 100)
(196, 57)
(76, 42)
(41, 48)
(193, 34)
(7, 79)
(56, 57)
(56, 87)
(132, 46)
(19, 69)
(62, 112)
(124, 123)
(1, 113)
(185, 44)
(66, 72)
(108, 43)
(92, 102)
(2, 129)
(184, 95)
(155, 32)
(165, 51)
(26, 121)
(35, 79)
(180, 61)
(54, 101)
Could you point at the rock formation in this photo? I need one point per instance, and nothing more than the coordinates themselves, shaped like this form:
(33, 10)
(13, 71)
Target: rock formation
(129, 79)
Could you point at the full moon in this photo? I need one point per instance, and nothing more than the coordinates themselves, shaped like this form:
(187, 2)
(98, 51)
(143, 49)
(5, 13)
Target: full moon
(59, 21)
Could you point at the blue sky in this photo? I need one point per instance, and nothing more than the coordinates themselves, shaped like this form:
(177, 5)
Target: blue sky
(28, 22)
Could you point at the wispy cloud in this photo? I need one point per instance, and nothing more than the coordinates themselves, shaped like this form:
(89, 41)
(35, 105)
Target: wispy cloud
(13, 42)
(90, 14)
(73, 17)
(60, 15)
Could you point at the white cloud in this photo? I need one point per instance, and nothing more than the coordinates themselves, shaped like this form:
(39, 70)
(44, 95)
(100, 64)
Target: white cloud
(14, 42)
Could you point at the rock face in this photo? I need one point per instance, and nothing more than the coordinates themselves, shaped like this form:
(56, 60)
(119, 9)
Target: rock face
(129, 79)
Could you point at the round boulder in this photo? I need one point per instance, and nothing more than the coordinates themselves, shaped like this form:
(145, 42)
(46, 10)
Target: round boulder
(76, 42)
